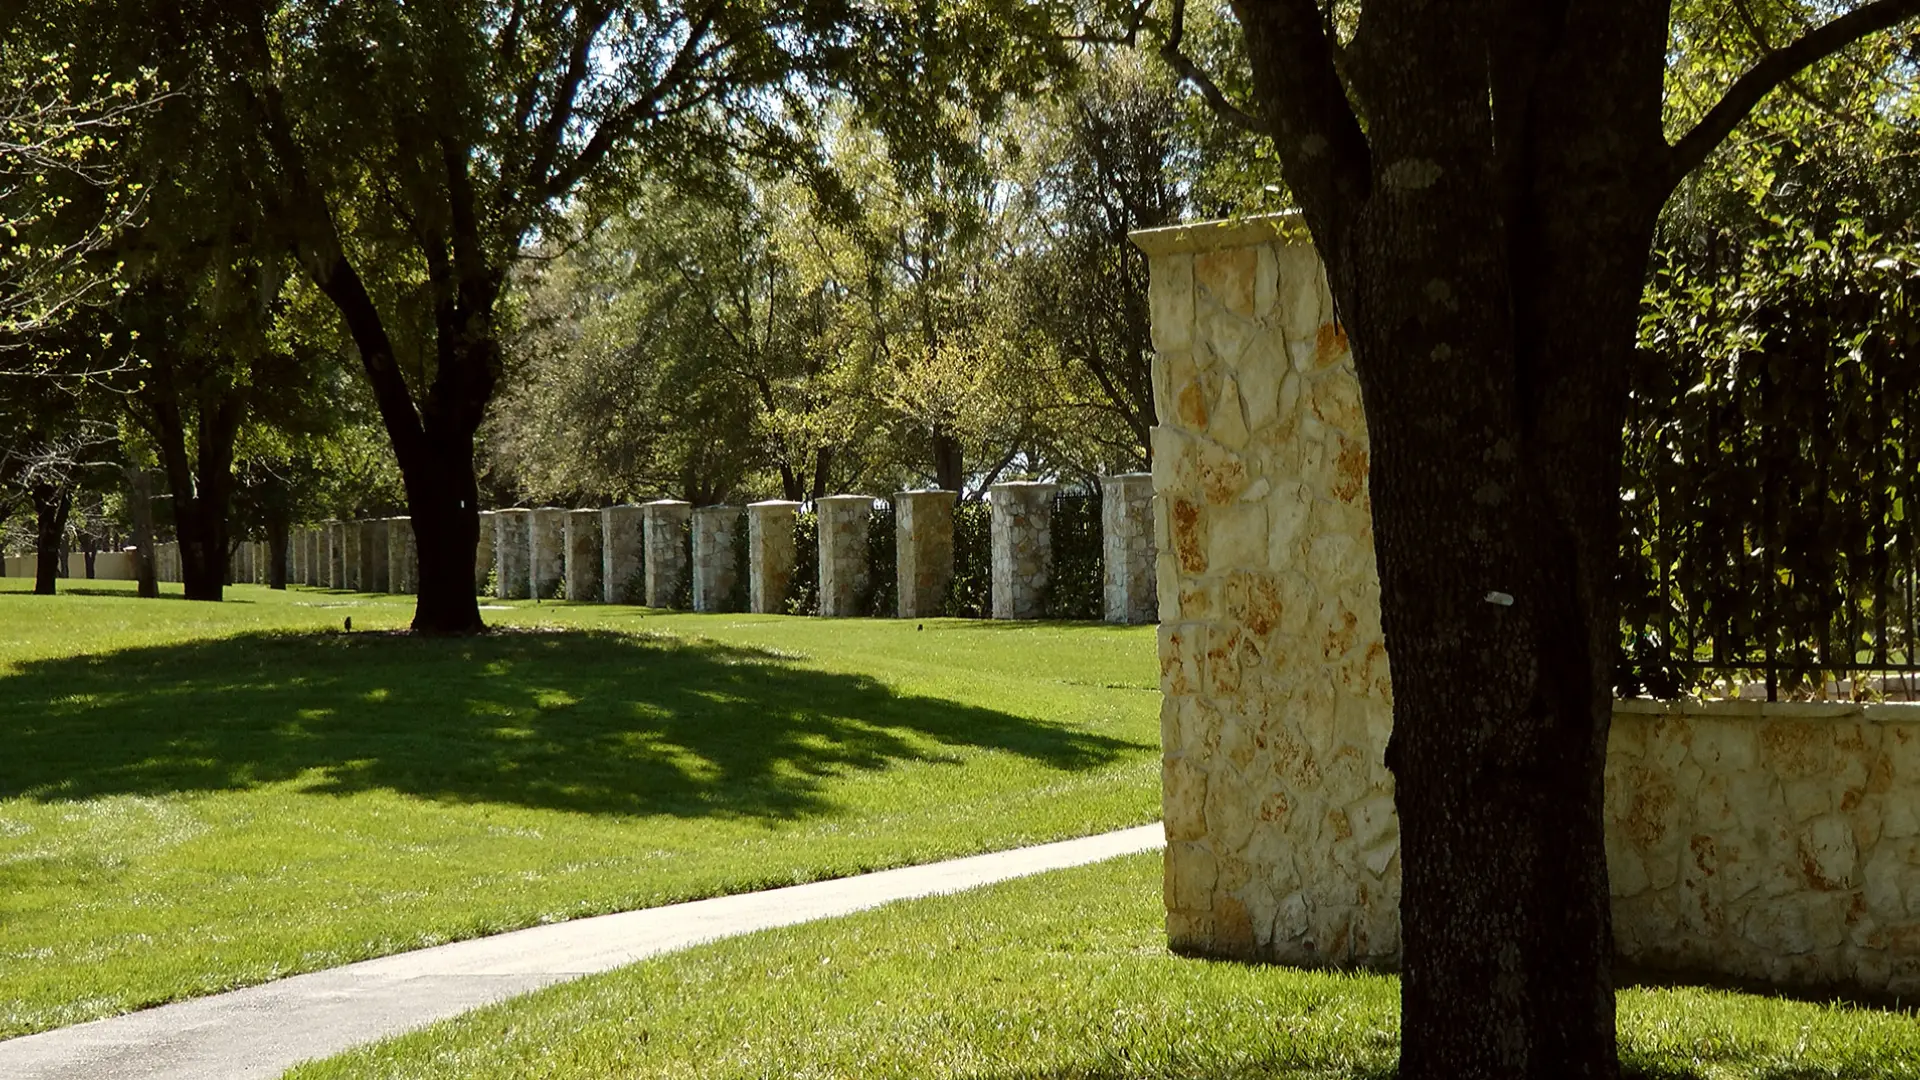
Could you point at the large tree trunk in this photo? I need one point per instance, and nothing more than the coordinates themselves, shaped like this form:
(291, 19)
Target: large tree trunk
(446, 527)
(51, 502)
(201, 483)
(948, 462)
(140, 502)
(1486, 235)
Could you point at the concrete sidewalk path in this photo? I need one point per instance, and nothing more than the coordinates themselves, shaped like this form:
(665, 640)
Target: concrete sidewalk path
(263, 1030)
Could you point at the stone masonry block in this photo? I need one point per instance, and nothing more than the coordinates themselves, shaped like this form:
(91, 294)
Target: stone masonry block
(483, 553)
(403, 557)
(770, 554)
(668, 524)
(843, 553)
(1126, 537)
(621, 537)
(373, 556)
(584, 558)
(1022, 530)
(547, 553)
(923, 550)
(716, 567)
(511, 552)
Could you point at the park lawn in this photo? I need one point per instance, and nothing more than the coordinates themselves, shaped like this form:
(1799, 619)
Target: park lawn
(1062, 976)
(196, 797)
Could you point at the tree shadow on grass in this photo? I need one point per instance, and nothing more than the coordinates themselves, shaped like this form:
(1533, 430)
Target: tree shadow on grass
(590, 722)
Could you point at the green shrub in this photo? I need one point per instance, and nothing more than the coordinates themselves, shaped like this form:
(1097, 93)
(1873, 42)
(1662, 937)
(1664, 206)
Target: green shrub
(741, 598)
(803, 589)
(970, 593)
(883, 567)
(683, 598)
(1075, 587)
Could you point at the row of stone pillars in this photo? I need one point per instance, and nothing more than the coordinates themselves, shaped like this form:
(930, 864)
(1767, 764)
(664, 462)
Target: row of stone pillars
(669, 554)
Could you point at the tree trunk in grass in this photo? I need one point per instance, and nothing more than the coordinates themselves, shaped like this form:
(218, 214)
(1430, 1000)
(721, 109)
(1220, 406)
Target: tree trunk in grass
(1482, 181)
(201, 482)
(51, 502)
(140, 502)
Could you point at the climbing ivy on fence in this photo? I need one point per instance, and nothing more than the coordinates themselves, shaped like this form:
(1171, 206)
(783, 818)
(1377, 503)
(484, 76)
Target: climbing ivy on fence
(970, 593)
(635, 587)
(741, 598)
(883, 569)
(803, 589)
(1772, 462)
(683, 599)
(1075, 589)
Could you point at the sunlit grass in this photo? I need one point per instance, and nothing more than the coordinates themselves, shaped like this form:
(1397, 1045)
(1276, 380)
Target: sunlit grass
(197, 796)
(1059, 977)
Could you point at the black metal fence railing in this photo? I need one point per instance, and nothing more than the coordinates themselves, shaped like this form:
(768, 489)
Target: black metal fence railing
(1075, 589)
(1770, 486)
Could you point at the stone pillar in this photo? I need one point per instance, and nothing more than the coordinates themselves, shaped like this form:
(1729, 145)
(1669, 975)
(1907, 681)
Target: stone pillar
(511, 555)
(716, 568)
(584, 561)
(262, 562)
(1126, 547)
(403, 557)
(621, 537)
(336, 555)
(923, 550)
(770, 555)
(483, 553)
(350, 561)
(843, 553)
(547, 553)
(297, 554)
(667, 523)
(1282, 843)
(373, 556)
(1022, 528)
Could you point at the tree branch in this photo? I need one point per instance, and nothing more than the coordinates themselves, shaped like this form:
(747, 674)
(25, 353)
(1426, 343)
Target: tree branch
(1324, 155)
(1774, 69)
(1184, 66)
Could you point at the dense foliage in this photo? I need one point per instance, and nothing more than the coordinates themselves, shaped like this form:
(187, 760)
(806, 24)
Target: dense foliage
(1076, 588)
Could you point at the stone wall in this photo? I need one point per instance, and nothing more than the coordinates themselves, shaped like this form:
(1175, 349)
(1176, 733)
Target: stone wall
(771, 555)
(373, 556)
(843, 553)
(483, 554)
(403, 556)
(1127, 551)
(511, 553)
(1022, 527)
(923, 550)
(668, 523)
(621, 537)
(583, 539)
(547, 553)
(350, 565)
(716, 568)
(1778, 843)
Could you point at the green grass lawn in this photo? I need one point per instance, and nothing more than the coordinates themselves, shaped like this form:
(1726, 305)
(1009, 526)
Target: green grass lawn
(195, 797)
(1064, 976)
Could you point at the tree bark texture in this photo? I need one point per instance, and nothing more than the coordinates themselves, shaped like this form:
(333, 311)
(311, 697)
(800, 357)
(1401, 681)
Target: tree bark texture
(200, 477)
(1486, 232)
(51, 502)
(140, 502)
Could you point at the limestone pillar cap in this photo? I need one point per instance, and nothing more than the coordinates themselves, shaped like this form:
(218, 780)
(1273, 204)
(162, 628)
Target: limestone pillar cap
(1286, 227)
(844, 500)
(771, 503)
(667, 502)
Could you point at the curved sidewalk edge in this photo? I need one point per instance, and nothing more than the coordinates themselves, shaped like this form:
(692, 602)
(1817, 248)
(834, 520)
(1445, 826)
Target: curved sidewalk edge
(264, 1030)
